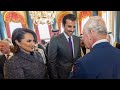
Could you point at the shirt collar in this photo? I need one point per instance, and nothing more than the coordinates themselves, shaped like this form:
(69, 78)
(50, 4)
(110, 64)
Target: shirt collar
(8, 56)
(99, 41)
(67, 36)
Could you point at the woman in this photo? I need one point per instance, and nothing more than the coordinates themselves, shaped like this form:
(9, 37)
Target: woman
(26, 62)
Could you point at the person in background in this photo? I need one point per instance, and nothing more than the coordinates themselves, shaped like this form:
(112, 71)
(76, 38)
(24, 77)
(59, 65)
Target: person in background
(63, 50)
(43, 43)
(26, 63)
(103, 61)
(111, 40)
(5, 48)
(117, 45)
(9, 40)
(4, 51)
(41, 52)
(55, 32)
(11, 48)
(2, 61)
(42, 49)
(82, 45)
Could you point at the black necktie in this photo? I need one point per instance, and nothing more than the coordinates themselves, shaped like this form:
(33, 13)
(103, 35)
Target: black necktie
(70, 45)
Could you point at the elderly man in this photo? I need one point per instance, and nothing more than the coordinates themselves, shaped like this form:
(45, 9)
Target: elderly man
(103, 61)
(4, 52)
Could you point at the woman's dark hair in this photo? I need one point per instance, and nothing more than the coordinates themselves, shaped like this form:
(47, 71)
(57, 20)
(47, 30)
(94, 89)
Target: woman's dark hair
(18, 34)
(68, 16)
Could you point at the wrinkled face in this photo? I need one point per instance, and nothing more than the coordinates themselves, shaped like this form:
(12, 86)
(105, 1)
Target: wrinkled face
(27, 44)
(69, 27)
(4, 47)
(87, 40)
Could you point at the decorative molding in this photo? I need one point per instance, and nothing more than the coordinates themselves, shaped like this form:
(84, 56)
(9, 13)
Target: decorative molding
(13, 16)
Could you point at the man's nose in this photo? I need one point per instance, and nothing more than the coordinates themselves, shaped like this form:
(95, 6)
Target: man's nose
(73, 29)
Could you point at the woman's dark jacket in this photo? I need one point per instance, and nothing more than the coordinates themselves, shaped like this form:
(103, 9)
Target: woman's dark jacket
(25, 66)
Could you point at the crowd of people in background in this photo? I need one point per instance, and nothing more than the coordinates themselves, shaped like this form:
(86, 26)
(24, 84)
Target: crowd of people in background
(22, 57)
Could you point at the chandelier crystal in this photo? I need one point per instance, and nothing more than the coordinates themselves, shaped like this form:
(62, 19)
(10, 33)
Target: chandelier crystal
(42, 17)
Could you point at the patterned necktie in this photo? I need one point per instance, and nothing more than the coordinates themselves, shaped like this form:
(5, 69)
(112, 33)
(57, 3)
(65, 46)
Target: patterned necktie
(70, 44)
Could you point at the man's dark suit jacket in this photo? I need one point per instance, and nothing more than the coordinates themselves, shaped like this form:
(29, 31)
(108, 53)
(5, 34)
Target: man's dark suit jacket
(60, 60)
(2, 61)
(102, 62)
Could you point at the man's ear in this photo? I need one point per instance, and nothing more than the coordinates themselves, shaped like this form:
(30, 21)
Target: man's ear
(91, 33)
(16, 41)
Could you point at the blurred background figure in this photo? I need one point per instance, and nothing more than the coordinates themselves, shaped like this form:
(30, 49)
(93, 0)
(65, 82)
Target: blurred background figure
(43, 43)
(55, 32)
(4, 47)
(38, 49)
(9, 40)
(110, 38)
(42, 47)
(82, 45)
(4, 50)
(11, 45)
(26, 63)
(117, 45)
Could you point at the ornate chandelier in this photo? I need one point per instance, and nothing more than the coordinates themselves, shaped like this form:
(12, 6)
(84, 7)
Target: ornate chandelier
(42, 17)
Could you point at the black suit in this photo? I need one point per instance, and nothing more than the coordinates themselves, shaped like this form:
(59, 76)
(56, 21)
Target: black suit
(2, 61)
(60, 60)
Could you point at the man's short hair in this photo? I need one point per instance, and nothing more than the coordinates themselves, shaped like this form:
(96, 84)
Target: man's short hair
(71, 17)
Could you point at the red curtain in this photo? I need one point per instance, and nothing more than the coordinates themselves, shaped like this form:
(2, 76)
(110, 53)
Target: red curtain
(14, 17)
